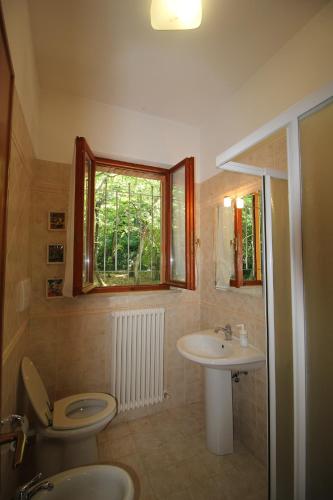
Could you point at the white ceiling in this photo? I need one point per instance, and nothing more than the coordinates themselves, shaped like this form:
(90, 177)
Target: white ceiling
(107, 51)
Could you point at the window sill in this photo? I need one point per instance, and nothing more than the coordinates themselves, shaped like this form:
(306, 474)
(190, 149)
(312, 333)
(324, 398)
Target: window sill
(126, 289)
(254, 291)
(139, 293)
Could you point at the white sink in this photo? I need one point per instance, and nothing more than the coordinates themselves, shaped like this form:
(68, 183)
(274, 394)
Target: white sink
(91, 482)
(211, 350)
(219, 357)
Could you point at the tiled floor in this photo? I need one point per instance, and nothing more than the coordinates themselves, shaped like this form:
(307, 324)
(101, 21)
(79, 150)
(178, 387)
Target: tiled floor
(167, 458)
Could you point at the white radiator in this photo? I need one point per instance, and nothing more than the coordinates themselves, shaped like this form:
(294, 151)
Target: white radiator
(137, 357)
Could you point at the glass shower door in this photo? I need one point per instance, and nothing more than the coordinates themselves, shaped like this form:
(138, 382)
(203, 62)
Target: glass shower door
(283, 343)
(316, 149)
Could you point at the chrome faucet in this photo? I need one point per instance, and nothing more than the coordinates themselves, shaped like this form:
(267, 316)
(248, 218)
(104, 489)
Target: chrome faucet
(18, 436)
(226, 330)
(30, 489)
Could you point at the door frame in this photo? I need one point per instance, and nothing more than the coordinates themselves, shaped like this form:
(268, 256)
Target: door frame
(290, 120)
(3, 215)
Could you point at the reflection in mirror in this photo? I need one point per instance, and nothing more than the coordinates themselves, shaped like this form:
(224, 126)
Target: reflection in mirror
(239, 238)
(225, 235)
(247, 242)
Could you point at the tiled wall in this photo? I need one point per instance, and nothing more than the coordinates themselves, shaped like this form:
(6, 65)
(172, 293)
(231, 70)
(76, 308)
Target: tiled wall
(70, 338)
(17, 269)
(234, 307)
(269, 153)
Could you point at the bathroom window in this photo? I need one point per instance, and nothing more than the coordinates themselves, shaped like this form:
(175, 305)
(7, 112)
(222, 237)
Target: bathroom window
(248, 242)
(134, 225)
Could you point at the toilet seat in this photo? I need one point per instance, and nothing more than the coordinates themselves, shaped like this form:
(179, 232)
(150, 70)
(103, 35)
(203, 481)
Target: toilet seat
(69, 413)
(84, 411)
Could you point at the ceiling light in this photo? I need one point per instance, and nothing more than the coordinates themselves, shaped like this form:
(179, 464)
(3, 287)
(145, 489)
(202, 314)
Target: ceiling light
(176, 14)
(239, 203)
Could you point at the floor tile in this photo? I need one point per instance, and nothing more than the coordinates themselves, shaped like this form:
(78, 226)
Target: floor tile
(147, 442)
(156, 460)
(115, 431)
(166, 455)
(210, 489)
(167, 481)
(179, 495)
(117, 448)
(140, 425)
(194, 469)
(133, 463)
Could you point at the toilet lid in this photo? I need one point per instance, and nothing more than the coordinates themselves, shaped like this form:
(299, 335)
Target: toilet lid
(81, 410)
(36, 391)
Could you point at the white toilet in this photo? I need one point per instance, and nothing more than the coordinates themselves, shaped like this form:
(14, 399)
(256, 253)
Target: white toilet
(67, 428)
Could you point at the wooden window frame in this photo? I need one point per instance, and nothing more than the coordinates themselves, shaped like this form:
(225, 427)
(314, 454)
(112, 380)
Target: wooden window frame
(189, 283)
(82, 149)
(165, 175)
(238, 246)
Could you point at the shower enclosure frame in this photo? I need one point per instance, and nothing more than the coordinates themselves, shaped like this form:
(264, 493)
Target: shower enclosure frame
(290, 121)
(266, 174)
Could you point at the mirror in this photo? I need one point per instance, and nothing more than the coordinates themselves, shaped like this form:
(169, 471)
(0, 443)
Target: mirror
(239, 236)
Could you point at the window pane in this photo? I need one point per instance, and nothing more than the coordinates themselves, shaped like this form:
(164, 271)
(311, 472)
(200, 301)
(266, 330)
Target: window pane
(251, 237)
(86, 220)
(249, 270)
(127, 229)
(178, 226)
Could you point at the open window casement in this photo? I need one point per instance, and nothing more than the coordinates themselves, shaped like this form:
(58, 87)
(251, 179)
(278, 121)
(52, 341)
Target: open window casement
(181, 252)
(172, 240)
(83, 271)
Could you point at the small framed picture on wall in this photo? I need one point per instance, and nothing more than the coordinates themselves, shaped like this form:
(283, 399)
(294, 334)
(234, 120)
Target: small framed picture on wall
(54, 288)
(57, 221)
(55, 253)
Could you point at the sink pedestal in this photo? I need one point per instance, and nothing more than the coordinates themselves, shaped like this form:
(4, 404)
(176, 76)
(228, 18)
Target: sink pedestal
(218, 408)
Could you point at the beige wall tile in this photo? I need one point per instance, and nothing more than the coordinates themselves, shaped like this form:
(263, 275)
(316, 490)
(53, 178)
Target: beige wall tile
(16, 323)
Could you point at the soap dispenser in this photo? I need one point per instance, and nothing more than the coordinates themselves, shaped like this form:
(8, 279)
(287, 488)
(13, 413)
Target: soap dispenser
(243, 337)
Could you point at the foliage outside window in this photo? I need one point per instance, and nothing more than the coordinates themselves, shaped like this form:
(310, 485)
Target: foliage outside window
(134, 225)
(248, 242)
(128, 229)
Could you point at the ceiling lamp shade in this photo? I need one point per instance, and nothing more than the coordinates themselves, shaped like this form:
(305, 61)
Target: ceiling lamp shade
(176, 14)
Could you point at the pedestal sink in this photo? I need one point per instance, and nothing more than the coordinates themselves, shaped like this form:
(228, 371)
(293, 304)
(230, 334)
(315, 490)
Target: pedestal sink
(219, 357)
